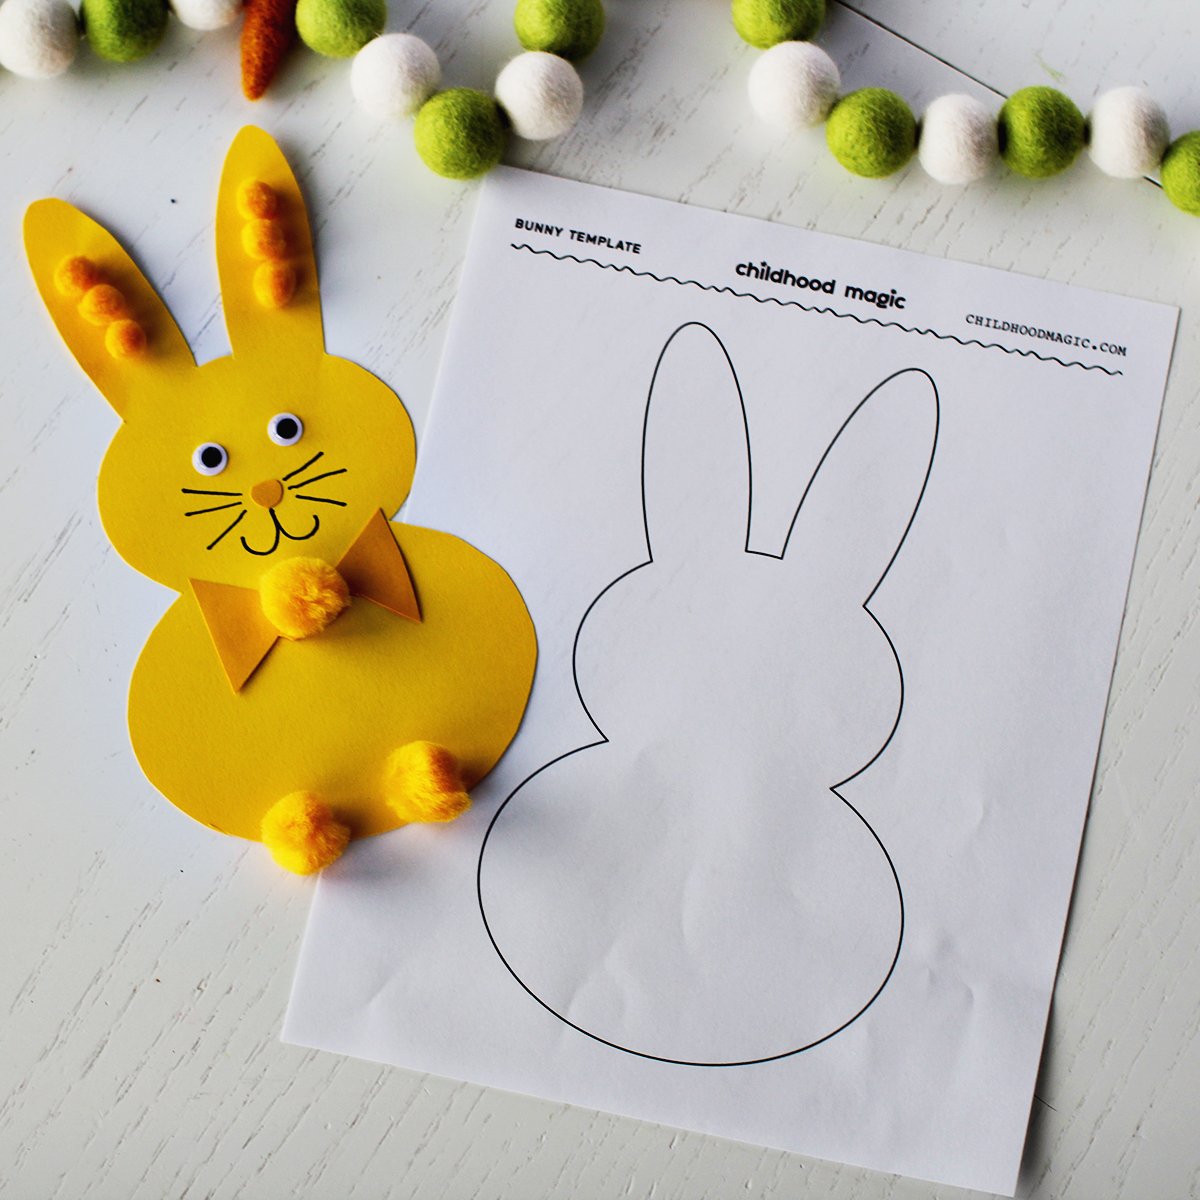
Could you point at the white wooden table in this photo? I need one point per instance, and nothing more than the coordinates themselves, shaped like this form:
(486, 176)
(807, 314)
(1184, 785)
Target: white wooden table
(146, 964)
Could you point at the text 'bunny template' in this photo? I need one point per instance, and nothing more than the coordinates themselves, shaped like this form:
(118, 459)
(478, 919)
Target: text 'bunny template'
(827, 548)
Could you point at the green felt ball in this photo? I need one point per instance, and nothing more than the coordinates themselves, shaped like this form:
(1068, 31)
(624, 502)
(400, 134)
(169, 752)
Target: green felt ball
(339, 28)
(571, 29)
(460, 133)
(1181, 172)
(1041, 132)
(872, 132)
(123, 30)
(766, 23)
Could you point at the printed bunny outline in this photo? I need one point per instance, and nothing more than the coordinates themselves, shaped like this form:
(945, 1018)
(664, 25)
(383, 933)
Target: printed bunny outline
(780, 556)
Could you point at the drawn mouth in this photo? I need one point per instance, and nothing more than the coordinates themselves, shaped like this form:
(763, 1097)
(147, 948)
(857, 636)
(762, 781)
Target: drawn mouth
(281, 532)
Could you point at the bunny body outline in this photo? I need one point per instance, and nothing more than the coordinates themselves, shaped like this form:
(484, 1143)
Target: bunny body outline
(604, 739)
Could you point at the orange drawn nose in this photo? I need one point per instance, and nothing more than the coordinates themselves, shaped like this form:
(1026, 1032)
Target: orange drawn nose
(268, 493)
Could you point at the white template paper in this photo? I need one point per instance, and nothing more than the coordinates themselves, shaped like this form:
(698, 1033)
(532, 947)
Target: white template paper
(827, 546)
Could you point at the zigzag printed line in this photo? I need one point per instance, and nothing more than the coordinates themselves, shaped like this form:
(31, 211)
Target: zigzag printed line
(814, 308)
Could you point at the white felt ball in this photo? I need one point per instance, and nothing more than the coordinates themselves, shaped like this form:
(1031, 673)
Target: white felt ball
(393, 75)
(38, 38)
(206, 14)
(959, 142)
(1128, 133)
(542, 94)
(793, 85)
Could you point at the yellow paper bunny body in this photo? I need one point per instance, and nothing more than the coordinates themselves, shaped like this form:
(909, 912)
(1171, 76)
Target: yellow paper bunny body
(220, 472)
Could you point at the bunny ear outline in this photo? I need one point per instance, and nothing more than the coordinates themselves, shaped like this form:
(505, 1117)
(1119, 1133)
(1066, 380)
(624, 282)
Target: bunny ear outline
(696, 473)
(258, 232)
(862, 499)
(56, 232)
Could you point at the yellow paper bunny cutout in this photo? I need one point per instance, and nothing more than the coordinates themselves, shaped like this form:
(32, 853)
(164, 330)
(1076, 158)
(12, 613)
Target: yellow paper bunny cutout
(281, 463)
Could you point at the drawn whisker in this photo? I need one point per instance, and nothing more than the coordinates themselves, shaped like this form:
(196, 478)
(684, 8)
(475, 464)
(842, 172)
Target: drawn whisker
(321, 500)
(199, 512)
(228, 528)
(206, 492)
(305, 482)
(305, 466)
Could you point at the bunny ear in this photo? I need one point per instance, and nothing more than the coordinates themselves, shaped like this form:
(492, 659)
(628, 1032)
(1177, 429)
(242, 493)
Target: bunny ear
(862, 499)
(112, 320)
(264, 254)
(696, 450)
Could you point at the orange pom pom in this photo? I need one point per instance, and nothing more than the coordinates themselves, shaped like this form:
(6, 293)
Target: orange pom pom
(257, 199)
(103, 304)
(274, 284)
(302, 833)
(424, 783)
(125, 339)
(301, 596)
(73, 276)
(262, 239)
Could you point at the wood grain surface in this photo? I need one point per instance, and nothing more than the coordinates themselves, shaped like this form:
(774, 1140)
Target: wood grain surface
(146, 962)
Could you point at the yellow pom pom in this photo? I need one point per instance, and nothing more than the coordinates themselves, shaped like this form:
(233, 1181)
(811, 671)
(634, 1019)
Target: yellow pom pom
(424, 783)
(274, 284)
(125, 339)
(257, 199)
(263, 239)
(102, 304)
(300, 596)
(302, 833)
(73, 276)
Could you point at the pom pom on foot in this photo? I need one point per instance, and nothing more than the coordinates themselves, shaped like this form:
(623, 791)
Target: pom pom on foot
(301, 596)
(302, 833)
(424, 783)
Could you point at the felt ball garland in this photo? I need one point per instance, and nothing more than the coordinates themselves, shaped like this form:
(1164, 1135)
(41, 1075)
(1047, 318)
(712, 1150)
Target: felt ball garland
(872, 132)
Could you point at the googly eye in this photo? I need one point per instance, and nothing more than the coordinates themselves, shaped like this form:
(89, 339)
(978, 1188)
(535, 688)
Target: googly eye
(285, 429)
(210, 458)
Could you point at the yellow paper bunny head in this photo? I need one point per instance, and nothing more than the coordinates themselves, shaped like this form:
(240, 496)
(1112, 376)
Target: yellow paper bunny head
(279, 449)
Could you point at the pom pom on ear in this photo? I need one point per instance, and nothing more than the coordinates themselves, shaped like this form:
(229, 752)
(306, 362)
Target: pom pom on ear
(38, 38)
(460, 134)
(794, 85)
(872, 132)
(1128, 133)
(569, 28)
(102, 304)
(263, 239)
(1181, 173)
(302, 833)
(125, 339)
(959, 142)
(274, 284)
(394, 75)
(123, 30)
(257, 200)
(766, 23)
(1041, 132)
(206, 15)
(339, 28)
(424, 783)
(542, 95)
(301, 596)
(75, 275)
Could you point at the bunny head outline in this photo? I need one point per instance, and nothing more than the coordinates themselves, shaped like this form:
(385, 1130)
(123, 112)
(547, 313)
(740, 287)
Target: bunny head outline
(646, 863)
(218, 473)
(351, 452)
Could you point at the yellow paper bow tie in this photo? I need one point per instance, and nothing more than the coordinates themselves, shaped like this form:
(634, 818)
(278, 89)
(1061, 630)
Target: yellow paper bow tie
(373, 568)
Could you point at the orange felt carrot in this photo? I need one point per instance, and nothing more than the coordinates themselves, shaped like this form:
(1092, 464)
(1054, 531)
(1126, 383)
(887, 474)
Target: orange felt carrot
(267, 31)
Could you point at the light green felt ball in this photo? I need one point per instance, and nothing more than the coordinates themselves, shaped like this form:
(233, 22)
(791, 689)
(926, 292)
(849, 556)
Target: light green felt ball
(123, 30)
(339, 28)
(872, 132)
(1041, 132)
(766, 23)
(1181, 172)
(460, 133)
(571, 29)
